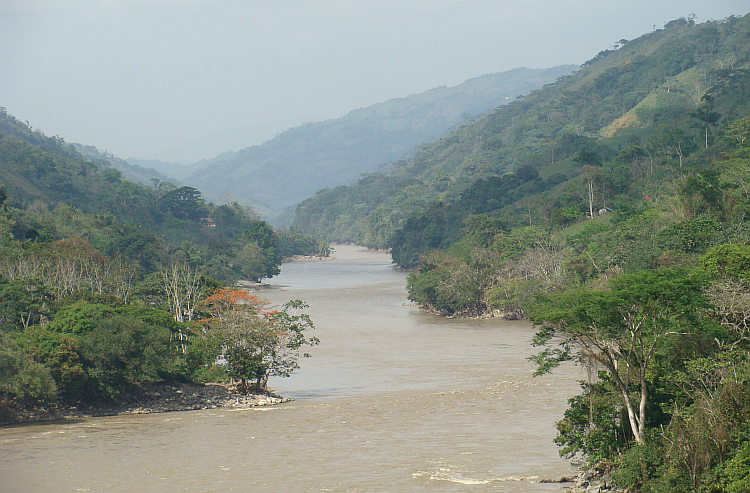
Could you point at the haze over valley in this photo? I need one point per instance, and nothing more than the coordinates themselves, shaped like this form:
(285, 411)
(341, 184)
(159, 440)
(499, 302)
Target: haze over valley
(533, 280)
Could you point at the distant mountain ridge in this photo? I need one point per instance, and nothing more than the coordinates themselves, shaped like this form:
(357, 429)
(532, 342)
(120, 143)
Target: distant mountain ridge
(130, 171)
(13, 128)
(295, 164)
(648, 91)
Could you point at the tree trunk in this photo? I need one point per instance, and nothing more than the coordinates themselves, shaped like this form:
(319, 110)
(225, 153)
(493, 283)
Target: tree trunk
(637, 423)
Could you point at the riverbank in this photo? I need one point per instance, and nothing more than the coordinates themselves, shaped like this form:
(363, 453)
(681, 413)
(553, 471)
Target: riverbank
(308, 258)
(470, 315)
(594, 481)
(159, 398)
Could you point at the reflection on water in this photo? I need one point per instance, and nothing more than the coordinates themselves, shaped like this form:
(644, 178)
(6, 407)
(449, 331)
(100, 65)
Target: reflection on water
(392, 400)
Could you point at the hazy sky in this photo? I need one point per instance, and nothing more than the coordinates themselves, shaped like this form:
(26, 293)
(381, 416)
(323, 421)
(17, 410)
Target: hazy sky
(183, 80)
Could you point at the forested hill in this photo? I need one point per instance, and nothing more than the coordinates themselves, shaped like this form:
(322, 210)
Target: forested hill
(130, 171)
(299, 161)
(610, 208)
(51, 192)
(107, 285)
(644, 91)
(16, 129)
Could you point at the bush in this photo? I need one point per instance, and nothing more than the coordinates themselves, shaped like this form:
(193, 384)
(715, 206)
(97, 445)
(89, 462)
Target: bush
(61, 354)
(734, 475)
(22, 377)
(101, 350)
(123, 351)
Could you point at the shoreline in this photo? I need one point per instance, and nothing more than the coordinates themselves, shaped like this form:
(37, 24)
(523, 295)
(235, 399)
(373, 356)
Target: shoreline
(474, 315)
(159, 398)
(308, 258)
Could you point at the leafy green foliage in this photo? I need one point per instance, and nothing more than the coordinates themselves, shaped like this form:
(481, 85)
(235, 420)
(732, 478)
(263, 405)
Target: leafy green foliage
(255, 343)
(101, 350)
(594, 424)
(293, 243)
(21, 376)
(83, 254)
(261, 252)
(440, 226)
(22, 303)
(183, 203)
(62, 355)
(734, 475)
(124, 351)
(728, 261)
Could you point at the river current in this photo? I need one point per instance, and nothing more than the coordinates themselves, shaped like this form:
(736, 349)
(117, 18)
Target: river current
(392, 400)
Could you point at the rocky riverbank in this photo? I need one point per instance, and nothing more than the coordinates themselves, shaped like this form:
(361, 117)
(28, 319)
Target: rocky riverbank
(593, 481)
(589, 481)
(471, 314)
(153, 399)
(308, 258)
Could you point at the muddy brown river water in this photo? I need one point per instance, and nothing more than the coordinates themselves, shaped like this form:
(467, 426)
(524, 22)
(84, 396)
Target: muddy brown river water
(392, 400)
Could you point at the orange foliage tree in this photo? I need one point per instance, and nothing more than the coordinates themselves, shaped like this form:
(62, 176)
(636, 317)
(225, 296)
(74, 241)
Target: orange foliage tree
(257, 343)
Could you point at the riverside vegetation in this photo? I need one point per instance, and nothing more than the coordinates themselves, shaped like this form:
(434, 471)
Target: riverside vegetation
(108, 287)
(611, 209)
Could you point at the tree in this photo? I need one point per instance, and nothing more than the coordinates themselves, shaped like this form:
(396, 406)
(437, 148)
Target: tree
(23, 302)
(124, 350)
(289, 326)
(61, 354)
(670, 142)
(250, 262)
(20, 376)
(706, 115)
(542, 263)
(590, 177)
(116, 347)
(258, 344)
(184, 288)
(728, 265)
(236, 316)
(482, 229)
(111, 175)
(184, 203)
(622, 329)
(738, 132)
(262, 234)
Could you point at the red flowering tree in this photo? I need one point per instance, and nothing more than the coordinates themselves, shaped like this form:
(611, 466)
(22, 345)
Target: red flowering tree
(257, 343)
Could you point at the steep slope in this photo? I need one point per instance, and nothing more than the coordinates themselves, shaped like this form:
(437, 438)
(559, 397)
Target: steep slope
(634, 264)
(296, 163)
(644, 88)
(11, 127)
(130, 171)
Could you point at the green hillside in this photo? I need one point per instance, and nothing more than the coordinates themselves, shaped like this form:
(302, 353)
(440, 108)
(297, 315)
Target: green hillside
(107, 285)
(133, 172)
(610, 208)
(292, 166)
(641, 91)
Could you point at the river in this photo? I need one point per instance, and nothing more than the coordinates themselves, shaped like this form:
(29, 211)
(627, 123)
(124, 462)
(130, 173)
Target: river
(392, 400)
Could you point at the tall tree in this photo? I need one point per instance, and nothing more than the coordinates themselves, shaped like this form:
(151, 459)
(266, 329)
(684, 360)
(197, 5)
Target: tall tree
(184, 203)
(622, 329)
(706, 115)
